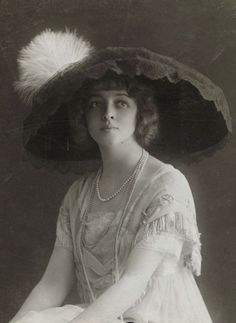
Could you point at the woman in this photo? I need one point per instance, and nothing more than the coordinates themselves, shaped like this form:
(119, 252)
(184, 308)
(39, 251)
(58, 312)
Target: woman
(128, 231)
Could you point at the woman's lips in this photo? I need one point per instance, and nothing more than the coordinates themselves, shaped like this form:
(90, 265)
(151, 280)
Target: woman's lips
(107, 128)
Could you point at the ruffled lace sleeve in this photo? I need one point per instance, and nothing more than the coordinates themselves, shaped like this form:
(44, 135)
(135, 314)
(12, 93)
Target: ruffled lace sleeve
(63, 230)
(169, 224)
(65, 217)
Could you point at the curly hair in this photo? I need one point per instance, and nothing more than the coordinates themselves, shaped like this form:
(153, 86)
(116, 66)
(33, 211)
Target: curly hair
(138, 88)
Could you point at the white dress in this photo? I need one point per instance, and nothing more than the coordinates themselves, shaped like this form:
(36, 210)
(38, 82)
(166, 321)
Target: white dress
(162, 218)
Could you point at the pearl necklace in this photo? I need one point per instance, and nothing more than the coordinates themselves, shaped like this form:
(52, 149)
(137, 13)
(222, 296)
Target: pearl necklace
(129, 179)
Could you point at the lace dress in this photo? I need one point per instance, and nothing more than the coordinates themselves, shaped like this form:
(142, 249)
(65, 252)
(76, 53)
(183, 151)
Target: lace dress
(162, 218)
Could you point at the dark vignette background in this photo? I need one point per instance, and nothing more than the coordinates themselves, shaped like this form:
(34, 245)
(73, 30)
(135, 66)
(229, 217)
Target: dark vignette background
(199, 33)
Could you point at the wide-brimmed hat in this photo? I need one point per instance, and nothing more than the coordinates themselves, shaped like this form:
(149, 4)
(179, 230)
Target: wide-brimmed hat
(194, 113)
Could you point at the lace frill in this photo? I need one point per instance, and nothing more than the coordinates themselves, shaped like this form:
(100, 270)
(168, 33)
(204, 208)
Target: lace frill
(174, 219)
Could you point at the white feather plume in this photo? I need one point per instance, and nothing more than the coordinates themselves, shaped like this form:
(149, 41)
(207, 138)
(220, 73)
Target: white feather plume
(47, 54)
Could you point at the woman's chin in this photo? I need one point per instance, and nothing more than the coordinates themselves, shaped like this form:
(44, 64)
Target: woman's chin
(116, 144)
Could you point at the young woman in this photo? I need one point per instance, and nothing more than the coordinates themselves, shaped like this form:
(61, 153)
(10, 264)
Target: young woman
(127, 233)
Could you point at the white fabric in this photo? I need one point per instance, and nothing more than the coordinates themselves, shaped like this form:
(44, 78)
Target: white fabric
(166, 225)
(53, 315)
(140, 266)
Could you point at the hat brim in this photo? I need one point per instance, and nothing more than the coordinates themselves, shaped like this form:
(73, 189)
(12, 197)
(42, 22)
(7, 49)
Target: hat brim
(194, 114)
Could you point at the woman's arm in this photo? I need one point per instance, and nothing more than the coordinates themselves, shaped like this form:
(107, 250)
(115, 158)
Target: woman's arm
(122, 295)
(53, 286)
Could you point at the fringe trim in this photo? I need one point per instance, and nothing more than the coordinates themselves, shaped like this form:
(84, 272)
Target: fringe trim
(178, 224)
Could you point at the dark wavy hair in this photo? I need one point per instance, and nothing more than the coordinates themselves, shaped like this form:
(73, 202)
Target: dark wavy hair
(140, 89)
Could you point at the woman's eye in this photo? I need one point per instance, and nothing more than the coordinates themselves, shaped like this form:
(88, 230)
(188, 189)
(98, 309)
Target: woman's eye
(94, 104)
(122, 104)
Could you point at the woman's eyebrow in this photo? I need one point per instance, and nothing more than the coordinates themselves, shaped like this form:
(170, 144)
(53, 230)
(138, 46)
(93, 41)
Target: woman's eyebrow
(98, 95)
(122, 93)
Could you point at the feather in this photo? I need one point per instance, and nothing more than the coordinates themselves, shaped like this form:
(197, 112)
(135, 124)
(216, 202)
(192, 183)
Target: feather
(46, 55)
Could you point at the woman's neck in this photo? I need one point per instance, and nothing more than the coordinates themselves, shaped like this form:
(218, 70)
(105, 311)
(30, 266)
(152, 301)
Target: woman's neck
(119, 161)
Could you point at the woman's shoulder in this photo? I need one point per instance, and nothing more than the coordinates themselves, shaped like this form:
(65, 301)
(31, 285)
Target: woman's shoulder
(165, 183)
(162, 178)
(160, 171)
(83, 182)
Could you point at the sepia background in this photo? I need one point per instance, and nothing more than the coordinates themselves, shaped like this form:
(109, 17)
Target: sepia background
(201, 34)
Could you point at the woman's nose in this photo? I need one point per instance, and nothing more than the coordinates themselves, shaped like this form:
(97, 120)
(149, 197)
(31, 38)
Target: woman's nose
(108, 116)
(108, 113)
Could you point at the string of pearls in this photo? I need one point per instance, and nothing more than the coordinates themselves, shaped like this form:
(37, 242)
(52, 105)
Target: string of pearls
(126, 182)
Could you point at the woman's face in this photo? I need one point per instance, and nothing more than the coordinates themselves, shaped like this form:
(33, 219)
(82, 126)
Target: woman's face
(111, 117)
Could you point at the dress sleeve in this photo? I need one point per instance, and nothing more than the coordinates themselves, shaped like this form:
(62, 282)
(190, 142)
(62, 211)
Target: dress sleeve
(169, 224)
(63, 229)
(64, 220)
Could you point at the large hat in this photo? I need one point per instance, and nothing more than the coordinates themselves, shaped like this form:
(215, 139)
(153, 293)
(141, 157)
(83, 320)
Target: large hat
(194, 113)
